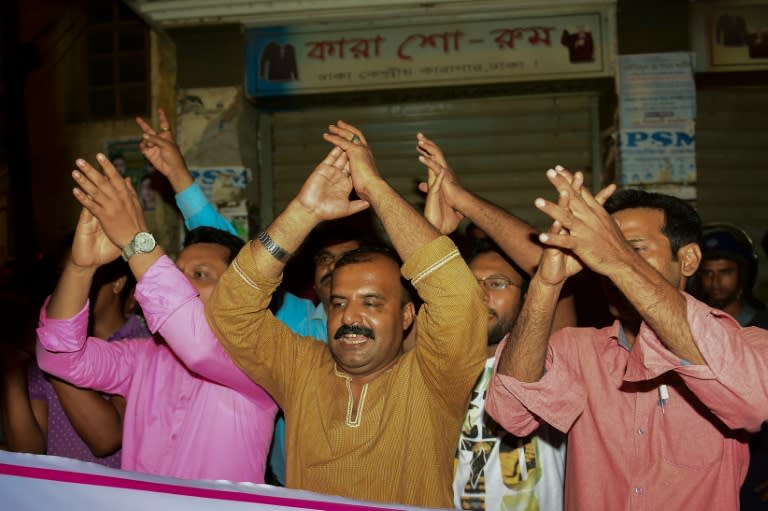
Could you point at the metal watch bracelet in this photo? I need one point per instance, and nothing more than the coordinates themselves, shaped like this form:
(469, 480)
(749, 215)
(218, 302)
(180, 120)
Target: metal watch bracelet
(273, 248)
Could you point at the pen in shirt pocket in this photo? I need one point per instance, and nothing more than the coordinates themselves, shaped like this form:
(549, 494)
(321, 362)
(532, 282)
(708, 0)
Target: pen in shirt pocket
(663, 397)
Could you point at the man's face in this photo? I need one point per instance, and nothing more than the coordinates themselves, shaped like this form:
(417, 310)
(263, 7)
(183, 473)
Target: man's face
(504, 303)
(203, 264)
(642, 228)
(325, 261)
(366, 316)
(720, 282)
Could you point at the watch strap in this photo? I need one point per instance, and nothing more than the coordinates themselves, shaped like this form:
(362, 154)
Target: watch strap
(135, 246)
(273, 248)
(128, 251)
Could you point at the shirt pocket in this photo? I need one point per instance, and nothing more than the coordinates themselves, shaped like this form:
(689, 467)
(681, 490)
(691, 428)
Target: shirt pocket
(690, 437)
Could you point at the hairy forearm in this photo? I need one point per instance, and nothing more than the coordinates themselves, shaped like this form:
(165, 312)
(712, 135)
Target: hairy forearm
(525, 354)
(513, 235)
(407, 229)
(659, 304)
(288, 230)
(180, 179)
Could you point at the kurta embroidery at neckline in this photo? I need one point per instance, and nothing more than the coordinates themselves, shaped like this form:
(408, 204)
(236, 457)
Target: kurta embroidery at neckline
(350, 421)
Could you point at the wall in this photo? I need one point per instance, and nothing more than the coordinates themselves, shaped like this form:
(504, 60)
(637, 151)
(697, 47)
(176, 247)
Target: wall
(53, 91)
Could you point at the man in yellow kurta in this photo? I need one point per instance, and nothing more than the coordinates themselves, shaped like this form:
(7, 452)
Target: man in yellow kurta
(363, 419)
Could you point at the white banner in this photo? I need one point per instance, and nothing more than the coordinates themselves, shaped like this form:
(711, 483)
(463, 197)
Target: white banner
(30, 482)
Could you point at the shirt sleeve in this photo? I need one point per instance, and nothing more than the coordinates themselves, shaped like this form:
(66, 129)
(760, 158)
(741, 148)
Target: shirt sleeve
(451, 325)
(64, 350)
(734, 381)
(199, 212)
(261, 345)
(172, 307)
(558, 398)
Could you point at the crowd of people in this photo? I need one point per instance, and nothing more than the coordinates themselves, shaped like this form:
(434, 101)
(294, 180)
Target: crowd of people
(433, 369)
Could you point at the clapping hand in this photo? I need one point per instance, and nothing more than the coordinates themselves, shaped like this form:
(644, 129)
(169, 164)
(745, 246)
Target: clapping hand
(362, 165)
(111, 199)
(326, 192)
(440, 187)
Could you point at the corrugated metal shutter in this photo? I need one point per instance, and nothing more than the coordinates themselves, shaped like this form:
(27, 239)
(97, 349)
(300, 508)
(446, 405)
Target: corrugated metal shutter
(500, 147)
(731, 156)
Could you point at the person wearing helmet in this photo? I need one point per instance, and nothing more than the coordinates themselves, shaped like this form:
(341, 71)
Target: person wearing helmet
(725, 280)
(728, 274)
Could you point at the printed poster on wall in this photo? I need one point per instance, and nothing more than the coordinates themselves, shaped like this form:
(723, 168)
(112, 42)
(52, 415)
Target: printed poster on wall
(657, 113)
(225, 188)
(299, 60)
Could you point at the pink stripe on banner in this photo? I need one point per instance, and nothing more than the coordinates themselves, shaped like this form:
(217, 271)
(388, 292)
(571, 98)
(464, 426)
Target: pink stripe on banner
(206, 493)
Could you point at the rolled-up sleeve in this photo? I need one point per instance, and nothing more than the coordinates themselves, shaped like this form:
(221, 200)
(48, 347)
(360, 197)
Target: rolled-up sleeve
(64, 350)
(734, 381)
(557, 399)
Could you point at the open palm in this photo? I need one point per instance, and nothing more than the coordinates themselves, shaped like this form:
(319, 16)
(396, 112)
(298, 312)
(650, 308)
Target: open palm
(327, 190)
(91, 246)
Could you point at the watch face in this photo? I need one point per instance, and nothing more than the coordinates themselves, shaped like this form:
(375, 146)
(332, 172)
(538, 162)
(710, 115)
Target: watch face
(144, 242)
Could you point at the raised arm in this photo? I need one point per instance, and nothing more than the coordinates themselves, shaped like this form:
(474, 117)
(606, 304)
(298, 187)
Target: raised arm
(448, 202)
(407, 228)
(451, 325)
(164, 154)
(170, 302)
(63, 347)
(524, 355)
(513, 235)
(262, 346)
(324, 196)
(596, 239)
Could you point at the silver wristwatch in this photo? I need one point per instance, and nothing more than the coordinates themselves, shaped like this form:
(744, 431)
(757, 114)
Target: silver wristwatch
(142, 243)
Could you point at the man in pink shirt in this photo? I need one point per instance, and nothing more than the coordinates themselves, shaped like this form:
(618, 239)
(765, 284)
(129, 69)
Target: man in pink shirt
(656, 405)
(177, 422)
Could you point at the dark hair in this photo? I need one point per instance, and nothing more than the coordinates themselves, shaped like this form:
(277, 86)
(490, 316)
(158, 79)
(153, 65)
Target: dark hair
(358, 227)
(487, 245)
(682, 225)
(217, 236)
(366, 254)
(109, 273)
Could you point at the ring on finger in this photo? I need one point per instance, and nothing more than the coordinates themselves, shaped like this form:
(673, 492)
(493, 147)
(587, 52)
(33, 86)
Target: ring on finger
(165, 129)
(355, 139)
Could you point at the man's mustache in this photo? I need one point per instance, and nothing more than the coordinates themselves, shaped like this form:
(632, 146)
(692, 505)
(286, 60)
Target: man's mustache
(354, 330)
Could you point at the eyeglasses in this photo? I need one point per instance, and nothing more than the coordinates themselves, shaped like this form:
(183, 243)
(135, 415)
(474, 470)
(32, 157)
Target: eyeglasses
(496, 283)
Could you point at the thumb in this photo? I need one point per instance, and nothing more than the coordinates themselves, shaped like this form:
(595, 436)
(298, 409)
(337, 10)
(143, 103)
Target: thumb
(85, 215)
(356, 206)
